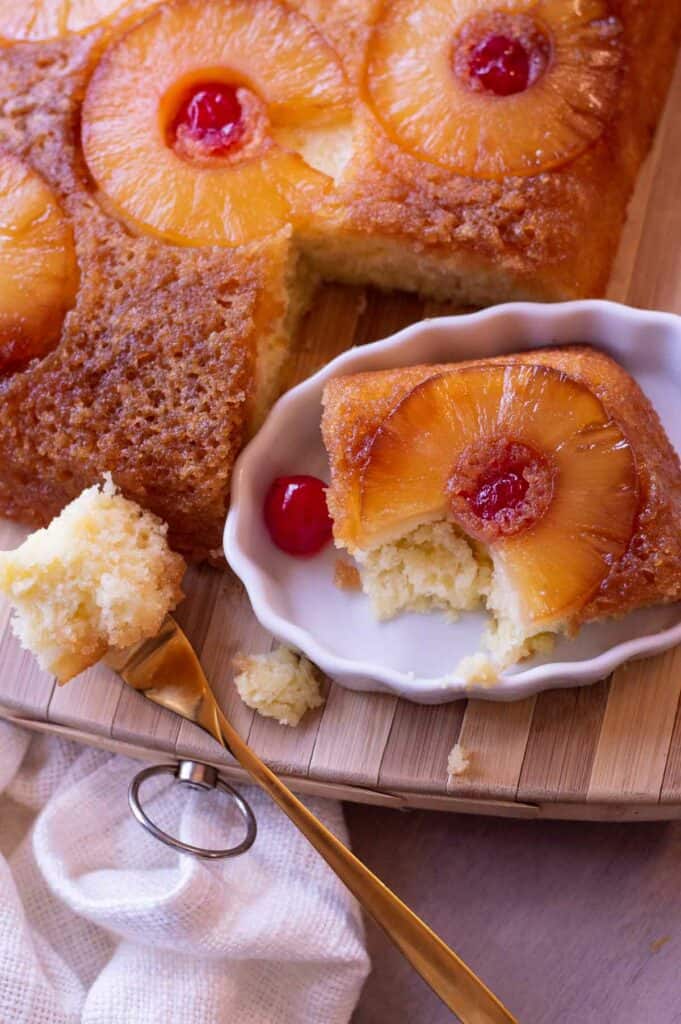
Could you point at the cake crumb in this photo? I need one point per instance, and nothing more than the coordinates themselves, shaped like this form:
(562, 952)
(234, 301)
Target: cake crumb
(100, 576)
(483, 669)
(282, 684)
(458, 761)
(478, 669)
(346, 576)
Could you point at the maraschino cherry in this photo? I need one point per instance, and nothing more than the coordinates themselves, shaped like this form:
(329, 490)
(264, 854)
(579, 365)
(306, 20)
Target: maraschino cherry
(501, 64)
(210, 115)
(296, 514)
(502, 491)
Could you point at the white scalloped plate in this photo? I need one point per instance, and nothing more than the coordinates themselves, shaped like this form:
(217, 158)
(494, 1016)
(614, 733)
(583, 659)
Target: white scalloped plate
(414, 655)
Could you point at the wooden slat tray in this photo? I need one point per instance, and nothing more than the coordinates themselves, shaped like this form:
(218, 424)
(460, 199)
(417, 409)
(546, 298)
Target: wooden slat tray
(607, 751)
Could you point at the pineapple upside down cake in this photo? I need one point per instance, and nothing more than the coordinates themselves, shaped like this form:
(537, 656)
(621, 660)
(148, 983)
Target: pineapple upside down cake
(175, 177)
(541, 486)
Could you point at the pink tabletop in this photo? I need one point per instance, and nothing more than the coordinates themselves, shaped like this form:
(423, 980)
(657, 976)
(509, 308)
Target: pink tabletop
(568, 923)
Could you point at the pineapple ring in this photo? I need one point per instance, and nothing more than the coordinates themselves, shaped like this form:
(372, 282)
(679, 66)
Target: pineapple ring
(40, 20)
(557, 563)
(260, 46)
(426, 107)
(38, 269)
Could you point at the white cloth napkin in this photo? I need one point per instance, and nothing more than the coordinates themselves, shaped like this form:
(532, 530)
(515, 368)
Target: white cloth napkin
(101, 924)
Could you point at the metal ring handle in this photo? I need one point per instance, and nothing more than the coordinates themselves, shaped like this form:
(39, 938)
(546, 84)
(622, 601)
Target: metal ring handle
(196, 776)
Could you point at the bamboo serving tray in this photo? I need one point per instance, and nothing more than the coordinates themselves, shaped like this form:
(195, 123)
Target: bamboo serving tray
(608, 751)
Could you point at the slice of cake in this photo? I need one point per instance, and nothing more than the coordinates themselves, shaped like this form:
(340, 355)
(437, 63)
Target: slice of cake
(100, 575)
(540, 486)
(159, 359)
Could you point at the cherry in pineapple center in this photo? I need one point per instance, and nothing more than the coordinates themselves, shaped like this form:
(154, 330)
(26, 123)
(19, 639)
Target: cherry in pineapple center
(500, 490)
(501, 64)
(210, 120)
(501, 54)
(500, 487)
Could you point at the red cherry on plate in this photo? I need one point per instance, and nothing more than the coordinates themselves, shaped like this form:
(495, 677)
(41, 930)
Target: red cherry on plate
(296, 514)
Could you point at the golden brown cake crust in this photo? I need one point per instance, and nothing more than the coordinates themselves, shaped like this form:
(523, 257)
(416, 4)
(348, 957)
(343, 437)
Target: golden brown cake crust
(154, 372)
(649, 572)
(548, 236)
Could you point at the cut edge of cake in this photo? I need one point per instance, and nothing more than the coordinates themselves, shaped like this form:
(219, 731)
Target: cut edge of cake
(436, 567)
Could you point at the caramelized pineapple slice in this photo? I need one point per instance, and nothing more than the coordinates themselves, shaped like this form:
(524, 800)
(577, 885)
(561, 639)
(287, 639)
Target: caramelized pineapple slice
(38, 270)
(491, 89)
(526, 461)
(182, 115)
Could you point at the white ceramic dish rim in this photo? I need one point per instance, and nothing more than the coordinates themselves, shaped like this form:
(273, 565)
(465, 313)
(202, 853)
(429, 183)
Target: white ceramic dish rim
(379, 677)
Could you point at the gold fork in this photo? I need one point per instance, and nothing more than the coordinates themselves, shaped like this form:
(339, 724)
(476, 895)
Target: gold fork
(167, 671)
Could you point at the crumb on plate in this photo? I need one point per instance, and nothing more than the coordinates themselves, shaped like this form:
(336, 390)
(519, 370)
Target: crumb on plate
(478, 669)
(346, 576)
